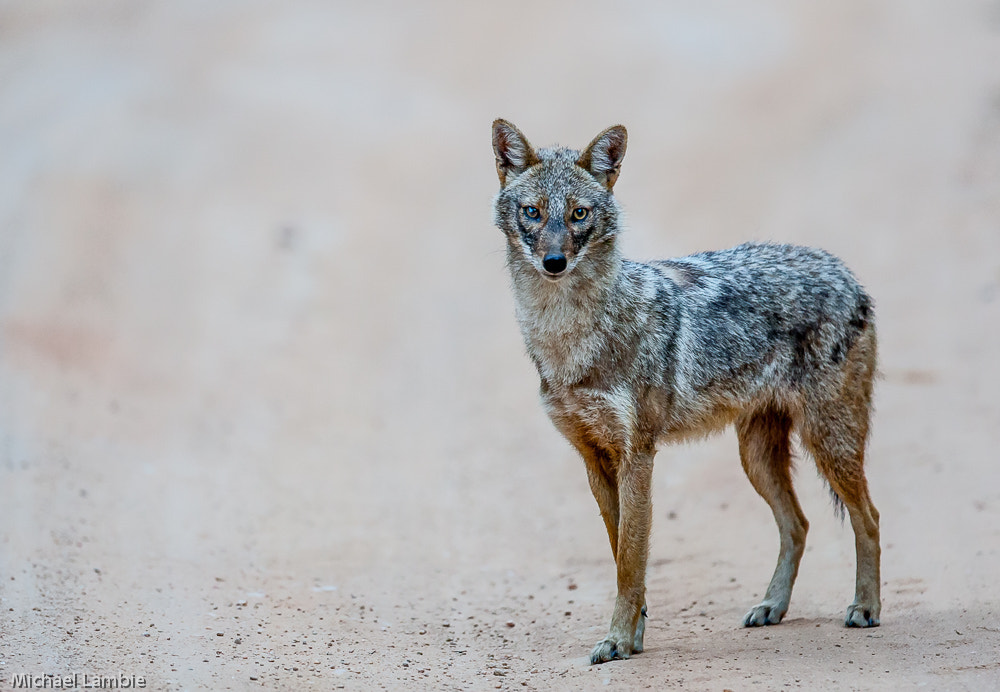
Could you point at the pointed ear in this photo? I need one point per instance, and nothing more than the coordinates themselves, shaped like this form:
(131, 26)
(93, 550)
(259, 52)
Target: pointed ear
(512, 150)
(603, 157)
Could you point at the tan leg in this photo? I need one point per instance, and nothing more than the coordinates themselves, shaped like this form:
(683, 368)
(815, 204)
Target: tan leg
(602, 485)
(836, 438)
(764, 451)
(866, 609)
(634, 486)
(848, 483)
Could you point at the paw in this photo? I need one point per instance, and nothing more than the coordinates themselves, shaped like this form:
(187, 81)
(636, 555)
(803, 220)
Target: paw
(861, 615)
(640, 630)
(608, 650)
(764, 614)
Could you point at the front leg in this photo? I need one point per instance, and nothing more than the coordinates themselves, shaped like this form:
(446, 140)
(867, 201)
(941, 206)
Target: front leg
(636, 514)
(601, 472)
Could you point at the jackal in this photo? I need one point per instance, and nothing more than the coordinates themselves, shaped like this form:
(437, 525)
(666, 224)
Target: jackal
(772, 338)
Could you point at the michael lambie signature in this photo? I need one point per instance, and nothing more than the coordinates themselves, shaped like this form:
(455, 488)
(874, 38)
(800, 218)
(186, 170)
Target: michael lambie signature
(81, 681)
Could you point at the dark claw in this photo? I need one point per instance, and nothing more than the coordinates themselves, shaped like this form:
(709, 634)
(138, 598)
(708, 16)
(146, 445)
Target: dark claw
(644, 612)
(595, 658)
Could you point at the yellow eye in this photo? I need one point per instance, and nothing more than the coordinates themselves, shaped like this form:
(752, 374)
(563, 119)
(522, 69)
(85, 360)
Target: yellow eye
(531, 212)
(579, 214)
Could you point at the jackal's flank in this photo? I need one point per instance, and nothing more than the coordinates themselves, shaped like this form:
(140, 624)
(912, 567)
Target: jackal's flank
(772, 338)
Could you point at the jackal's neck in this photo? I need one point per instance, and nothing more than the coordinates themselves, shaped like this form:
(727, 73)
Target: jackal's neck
(560, 320)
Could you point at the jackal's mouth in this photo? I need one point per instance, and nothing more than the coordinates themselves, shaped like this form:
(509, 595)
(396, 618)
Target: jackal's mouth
(554, 278)
(562, 274)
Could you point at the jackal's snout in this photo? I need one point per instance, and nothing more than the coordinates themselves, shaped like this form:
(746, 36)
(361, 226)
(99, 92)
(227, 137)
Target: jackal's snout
(554, 263)
(554, 253)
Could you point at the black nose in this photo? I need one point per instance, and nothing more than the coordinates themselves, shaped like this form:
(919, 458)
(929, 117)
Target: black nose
(554, 264)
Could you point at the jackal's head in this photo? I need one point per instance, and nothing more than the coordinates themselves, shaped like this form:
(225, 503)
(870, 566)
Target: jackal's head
(556, 205)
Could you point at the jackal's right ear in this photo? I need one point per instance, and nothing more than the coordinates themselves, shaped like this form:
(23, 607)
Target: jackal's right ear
(603, 157)
(512, 150)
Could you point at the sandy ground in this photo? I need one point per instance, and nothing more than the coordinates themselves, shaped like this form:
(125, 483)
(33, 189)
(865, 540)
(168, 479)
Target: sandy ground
(265, 416)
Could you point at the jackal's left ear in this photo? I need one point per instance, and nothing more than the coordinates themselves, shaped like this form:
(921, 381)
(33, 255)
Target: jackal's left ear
(603, 157)
(514, 153)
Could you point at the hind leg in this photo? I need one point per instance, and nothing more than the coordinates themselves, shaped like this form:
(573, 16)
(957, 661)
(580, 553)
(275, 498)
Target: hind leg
(766, 457)
(866, 608)
(836, 440)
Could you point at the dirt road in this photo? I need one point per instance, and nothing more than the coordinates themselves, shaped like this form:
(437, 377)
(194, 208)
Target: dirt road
(265, 415)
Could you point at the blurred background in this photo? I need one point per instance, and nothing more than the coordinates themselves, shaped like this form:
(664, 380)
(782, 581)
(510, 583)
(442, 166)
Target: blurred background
(259, 365)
